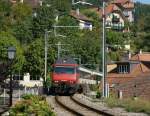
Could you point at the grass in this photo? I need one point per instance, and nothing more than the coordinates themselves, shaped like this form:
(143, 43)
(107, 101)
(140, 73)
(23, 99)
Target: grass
(130, 105)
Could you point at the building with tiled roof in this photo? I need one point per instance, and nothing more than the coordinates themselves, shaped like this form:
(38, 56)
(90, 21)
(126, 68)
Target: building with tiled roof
(127, 7)
(114, 17)
(129, 72)
(117, 12)
(84, 22)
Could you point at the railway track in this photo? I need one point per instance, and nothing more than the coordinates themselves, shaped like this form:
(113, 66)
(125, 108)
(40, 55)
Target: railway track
(78, 108)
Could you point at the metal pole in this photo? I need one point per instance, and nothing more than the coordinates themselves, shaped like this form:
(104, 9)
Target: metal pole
(4, 95)
(59, 49)
(46, 35)
(104, 54)
(19, 84)
(11, 91)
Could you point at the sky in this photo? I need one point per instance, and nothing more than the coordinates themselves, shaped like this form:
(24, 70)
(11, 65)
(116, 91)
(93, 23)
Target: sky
(143, 1)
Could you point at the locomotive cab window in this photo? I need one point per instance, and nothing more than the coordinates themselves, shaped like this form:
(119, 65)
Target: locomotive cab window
(67, 70)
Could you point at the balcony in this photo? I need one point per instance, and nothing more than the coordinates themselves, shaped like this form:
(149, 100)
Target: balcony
(118, 26)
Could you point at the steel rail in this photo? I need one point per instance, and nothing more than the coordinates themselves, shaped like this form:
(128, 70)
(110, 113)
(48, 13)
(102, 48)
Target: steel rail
(67, 108)
(92, 109)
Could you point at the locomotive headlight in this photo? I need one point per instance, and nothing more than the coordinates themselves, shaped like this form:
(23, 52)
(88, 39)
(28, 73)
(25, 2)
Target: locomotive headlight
(56, 81)
(71, 82)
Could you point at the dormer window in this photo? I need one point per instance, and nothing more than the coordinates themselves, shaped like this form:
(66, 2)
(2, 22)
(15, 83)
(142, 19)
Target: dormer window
(126, 13)
(123, 68)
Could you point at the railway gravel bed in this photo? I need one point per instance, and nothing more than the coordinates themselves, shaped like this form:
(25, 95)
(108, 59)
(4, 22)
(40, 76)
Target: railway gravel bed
(77, 109)
(82, 111)
(99, 105)
(59, 111)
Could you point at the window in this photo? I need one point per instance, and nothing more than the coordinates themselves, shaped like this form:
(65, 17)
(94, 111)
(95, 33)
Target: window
(108, 23)
(87, 25)
(115, 19)
(68, 70)
(18, 77)
(126, 14)
(123, 69)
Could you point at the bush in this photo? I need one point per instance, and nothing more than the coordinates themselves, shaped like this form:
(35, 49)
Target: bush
(31, 105)
(98, 94)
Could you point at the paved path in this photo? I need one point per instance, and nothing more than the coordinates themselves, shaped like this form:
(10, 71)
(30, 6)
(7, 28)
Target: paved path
(5, 108)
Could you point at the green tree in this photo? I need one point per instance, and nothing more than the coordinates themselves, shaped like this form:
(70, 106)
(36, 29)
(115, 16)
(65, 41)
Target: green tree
(62, 5)
(44, 19)
(7, 40)
(5, 12)
(22, 22)
(34, 55)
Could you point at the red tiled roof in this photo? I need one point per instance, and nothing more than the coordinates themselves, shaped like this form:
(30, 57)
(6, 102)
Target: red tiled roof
(141, 57)
(124, 3)
(110, 8)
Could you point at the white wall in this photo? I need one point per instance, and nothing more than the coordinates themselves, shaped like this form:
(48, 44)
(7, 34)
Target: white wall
(30, 83)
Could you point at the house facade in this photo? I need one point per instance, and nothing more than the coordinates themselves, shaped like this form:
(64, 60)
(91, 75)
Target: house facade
(118, 13)
(127, 7)
(114, 17)
(131, 77)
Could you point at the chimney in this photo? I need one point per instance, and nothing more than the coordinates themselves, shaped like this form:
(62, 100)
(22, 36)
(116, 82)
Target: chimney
(77, 11)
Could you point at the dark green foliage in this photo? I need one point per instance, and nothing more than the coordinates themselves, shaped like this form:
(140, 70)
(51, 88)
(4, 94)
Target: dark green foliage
(61, 5)
(44, 19)
(5, 12)
(6, 40)
(143, 42)
(142, 15)
(24, 29)
(35, 58)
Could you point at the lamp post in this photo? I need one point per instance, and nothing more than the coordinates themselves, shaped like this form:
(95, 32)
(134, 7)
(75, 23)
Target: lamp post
(11, 55)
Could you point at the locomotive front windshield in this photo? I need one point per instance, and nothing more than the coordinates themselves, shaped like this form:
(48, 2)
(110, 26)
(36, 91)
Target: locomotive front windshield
(67, 70)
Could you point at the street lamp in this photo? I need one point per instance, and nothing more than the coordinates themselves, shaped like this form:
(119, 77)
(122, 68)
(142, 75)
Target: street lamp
(11, 54)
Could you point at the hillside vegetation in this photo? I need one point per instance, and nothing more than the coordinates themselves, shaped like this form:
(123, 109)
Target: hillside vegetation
(24, 28)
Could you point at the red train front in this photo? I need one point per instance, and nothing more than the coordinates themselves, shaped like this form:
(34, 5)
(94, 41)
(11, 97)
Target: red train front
(65, 76)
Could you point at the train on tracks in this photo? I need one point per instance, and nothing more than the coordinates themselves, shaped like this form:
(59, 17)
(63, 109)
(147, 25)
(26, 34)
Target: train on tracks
(65, 76)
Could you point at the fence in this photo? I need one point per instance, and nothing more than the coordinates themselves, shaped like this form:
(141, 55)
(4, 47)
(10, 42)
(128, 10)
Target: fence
(4, 93)
(18, 91)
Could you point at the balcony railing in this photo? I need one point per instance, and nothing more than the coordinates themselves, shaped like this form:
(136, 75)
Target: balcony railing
(115, 26)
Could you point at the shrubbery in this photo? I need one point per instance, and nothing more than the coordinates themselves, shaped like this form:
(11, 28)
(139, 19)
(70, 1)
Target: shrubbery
(31, 105)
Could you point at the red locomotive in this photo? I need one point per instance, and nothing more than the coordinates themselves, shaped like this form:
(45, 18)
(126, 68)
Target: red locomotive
(65, 76)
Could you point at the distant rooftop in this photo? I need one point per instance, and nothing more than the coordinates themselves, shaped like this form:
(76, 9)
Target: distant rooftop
(141, 57)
